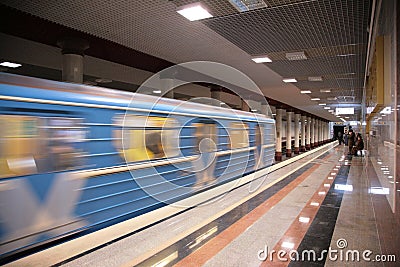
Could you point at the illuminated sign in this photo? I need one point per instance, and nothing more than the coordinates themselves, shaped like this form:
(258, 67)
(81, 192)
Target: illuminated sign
(340, 111)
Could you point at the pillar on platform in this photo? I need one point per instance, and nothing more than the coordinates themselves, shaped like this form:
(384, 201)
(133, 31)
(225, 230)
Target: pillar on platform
(289, 115)
(320, 137)
(312, 132)
(296, 133)
(243, 105)
(303, 134)
(72, 61)
(278, 147)
(167, 85)
(308, 137)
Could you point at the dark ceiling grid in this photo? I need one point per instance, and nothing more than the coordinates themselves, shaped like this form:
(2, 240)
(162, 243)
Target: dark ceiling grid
(323, 29)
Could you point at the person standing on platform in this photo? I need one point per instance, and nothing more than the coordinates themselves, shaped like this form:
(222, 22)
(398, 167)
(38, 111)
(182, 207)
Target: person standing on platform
(351, 140)
(359, 146)
(340, 138)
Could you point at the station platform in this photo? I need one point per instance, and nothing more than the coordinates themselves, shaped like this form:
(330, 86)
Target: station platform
(315, 209)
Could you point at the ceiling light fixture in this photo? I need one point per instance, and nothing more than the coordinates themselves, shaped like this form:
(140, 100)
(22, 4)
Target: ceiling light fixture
(331, 98)
(327, 108)
(325, 90)
(245, 5)
(261, 59)
(315, 99)
(296, 56)
(157, 92)
(322, 104)
(346, 55)
(315, 79)
(193, 12)
(290, 80)
(10, 64)
(305, 92)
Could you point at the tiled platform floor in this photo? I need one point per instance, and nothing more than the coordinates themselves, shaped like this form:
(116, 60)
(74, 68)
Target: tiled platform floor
(317, 203)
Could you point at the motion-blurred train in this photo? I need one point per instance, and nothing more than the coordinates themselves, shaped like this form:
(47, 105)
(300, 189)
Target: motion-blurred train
(77, 158)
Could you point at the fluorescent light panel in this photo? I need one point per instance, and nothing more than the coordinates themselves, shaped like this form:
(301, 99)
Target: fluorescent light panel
(10, 64)
(296, 56)
(261, 59)
(315, 99)
(194, 12)
(322, 104)
(305, 92)
(245, 5)
(290, 80)
(325, 90)
(315, 79)
(327, 108)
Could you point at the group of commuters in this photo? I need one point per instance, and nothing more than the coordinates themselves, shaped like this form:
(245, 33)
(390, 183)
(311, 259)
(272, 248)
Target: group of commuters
(353, 141)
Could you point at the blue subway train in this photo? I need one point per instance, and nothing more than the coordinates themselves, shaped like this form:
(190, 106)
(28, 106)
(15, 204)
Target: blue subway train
(77, 158)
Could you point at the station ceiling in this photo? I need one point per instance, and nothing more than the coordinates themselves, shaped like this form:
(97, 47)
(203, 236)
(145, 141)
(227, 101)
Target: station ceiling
(150, 35)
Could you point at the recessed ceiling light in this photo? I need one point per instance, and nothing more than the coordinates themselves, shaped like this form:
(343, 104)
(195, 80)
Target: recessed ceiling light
(325, 90)
(10, 64)
(290, 80)
(296, 56)
(261, 59)
(322, 104)
(326, 107)
(157, 92)
(243, 6)
(331, 98)
(305, 92)
(315, 79)
(194, 11)
(315, 99)
(346, 55)
(347, 117)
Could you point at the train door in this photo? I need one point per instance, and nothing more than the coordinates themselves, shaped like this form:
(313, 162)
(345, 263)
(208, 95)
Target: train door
(205, 145)
(258, 145)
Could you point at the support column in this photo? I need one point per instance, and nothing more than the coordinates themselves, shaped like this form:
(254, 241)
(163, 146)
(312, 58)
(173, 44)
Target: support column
(312, 133)
(264, 108)
(167, 87)
(296, 133)
(289, 116)
(215, 94)
(72, 61)
(243, 105)
(321, 130)
(328, 133)
(308, 137)
(303, 134)
(278, 147)
(318, 131)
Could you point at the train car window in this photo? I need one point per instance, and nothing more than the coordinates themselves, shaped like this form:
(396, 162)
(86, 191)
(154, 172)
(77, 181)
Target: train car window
(63, 135)
(239, 135)
(30, 144)
(139, 138)
(205, 137)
